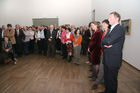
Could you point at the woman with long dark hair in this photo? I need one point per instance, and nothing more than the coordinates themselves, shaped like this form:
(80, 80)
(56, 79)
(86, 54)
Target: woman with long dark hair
(69, 43)
(95, 47)
(77, 46)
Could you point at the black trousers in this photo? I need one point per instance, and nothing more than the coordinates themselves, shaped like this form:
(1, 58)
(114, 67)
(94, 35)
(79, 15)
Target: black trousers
(84, 49)
(39, 46)
(58, 44)
(43, 46)
(64, 50)
(51, 49)
(89, 59)
(14, 48)
(19, 48)
(32, 46)
(110, 79)
(0, 45)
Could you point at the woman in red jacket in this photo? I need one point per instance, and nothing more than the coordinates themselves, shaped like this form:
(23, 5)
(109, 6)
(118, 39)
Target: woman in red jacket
(69, 43)
(95, 47)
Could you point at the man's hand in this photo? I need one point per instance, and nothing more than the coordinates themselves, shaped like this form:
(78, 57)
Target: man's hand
(6, 50)
(50, 39)
(108, 46)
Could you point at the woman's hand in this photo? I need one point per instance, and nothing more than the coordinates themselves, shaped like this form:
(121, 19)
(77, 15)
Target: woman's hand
(88, 49)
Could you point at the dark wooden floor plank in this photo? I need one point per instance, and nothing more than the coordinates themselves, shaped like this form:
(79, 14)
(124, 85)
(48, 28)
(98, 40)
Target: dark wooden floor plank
(40, 74)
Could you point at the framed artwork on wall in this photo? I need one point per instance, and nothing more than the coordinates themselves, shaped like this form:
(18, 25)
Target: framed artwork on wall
(127, 25)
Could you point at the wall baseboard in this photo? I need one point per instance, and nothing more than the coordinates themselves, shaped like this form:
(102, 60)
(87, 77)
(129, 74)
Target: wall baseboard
(131, 65)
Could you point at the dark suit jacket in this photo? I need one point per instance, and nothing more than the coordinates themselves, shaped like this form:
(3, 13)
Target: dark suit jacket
(0, 39)
(54, 33)
(113, 56)
(0, 34)
(20, 37)
(45, 33)
(7, 46)
(87, 35)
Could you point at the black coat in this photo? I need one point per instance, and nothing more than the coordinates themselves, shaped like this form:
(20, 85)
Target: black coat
(1, 39)
(0, 34)
(86, 37)
(20, 37)
(51, 36)
(113, 56)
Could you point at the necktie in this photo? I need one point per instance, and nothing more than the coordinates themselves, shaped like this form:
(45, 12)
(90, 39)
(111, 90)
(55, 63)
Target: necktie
(17, 32)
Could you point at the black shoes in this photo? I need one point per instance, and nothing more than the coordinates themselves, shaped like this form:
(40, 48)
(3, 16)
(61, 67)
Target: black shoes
(70, 59)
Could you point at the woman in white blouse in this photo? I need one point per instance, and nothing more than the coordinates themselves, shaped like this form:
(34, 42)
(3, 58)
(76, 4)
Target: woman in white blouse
(38, 40)
(26, 41)
(31, 40)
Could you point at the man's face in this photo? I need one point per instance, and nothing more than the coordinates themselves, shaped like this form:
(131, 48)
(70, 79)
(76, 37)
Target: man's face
(51, 27)
(17, 27)
(41, 27)
(9, 28)
(111, 19)
(6, 39)
(3, 27)
(24, 28)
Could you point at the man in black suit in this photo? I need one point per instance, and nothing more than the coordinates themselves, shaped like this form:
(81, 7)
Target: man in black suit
(19, 36)
(88, 35)
(51, 37)
(0, 40)
(2, 36)
(112, 44)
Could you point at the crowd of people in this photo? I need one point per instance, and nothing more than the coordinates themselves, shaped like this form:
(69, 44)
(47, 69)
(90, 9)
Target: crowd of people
(71, 41)
(103, 47)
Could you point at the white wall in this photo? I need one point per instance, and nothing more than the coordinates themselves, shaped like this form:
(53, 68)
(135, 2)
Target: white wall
(77, 12)
(127, 9)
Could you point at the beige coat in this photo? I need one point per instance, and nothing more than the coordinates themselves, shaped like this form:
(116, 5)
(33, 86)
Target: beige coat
(10, 35)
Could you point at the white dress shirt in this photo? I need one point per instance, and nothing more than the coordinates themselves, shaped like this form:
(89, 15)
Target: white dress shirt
(112, 27)
(42, 36)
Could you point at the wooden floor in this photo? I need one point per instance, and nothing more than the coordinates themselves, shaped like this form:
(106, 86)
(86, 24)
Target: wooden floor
(40, 74)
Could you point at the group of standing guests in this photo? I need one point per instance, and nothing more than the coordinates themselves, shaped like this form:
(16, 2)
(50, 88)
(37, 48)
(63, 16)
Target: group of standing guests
(104, 48)
(69, 40)
(105, 52)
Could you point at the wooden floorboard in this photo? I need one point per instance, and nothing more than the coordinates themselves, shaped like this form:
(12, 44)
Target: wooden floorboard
(40, 74)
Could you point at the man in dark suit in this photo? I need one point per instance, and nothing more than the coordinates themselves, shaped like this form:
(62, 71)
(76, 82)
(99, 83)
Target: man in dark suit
(19, 36)
(88, 35)
(51, 37)
(112, 44)
(2, 36)
(0, 40)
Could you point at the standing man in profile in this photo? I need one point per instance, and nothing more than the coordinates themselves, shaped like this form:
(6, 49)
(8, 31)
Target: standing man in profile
(112, 44)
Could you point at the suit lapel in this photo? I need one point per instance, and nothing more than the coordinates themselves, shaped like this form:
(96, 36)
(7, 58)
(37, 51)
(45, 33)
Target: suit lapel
(114, 29)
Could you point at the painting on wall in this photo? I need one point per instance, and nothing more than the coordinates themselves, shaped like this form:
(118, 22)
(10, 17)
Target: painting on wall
(127, 25)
